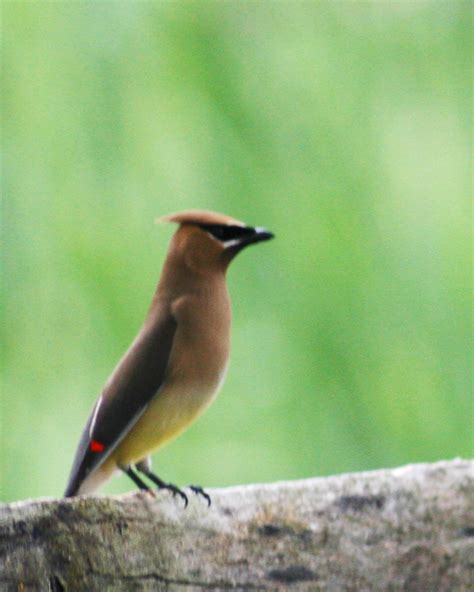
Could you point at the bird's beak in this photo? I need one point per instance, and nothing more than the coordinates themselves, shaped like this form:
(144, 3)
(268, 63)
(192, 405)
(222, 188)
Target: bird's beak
(263, 234)
(251, 237)
(259, 235)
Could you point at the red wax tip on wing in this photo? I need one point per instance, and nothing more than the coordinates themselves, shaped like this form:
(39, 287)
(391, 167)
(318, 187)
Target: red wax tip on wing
(96, 446)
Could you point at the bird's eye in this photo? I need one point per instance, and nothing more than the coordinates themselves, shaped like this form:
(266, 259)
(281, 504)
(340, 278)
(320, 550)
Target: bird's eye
(218, 232)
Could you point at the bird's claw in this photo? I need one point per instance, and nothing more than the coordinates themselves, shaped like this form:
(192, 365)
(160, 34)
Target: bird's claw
(198, 490)
(177, 491)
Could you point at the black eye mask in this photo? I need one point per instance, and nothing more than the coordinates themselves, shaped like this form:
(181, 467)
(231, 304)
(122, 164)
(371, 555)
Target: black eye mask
(224, 232)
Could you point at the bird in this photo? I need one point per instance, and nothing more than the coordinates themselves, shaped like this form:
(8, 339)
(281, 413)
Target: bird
(177, 363)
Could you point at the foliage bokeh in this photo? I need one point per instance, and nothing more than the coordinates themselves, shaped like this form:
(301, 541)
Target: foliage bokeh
(343, 127)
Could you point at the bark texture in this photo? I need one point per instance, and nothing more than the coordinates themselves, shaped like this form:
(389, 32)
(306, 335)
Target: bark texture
(410, 528)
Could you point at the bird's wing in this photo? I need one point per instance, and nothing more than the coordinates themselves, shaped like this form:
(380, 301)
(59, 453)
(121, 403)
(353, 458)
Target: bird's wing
(134, 383)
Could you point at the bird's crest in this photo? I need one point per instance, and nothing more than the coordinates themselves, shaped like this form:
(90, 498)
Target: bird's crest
(199, 217)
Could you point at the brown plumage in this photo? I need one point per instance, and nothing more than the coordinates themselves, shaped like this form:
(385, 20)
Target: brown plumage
(176, 364)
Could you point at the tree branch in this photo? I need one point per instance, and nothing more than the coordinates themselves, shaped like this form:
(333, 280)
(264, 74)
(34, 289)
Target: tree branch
(410, 528)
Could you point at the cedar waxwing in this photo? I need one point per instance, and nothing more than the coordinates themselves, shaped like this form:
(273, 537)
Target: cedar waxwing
(176, 364)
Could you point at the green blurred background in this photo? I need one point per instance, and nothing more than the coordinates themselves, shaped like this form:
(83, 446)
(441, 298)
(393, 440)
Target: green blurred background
(343, 127)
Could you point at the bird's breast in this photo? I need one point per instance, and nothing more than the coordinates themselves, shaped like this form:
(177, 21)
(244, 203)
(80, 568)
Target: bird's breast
(201, 346)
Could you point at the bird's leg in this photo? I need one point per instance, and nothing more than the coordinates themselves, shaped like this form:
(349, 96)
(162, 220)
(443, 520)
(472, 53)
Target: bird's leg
(135, 478)
(198, 490)
(145, 468)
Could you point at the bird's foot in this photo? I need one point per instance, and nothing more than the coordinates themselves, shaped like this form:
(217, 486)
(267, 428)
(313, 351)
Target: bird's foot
(198, 490)
(175, 491)
(162, 484)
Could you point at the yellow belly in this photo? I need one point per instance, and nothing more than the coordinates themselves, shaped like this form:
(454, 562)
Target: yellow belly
(173, 410)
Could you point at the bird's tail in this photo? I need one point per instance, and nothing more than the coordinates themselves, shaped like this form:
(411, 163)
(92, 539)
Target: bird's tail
(92, 482)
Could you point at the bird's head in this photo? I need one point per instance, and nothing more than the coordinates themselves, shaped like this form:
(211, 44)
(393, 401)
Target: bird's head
(209, 239)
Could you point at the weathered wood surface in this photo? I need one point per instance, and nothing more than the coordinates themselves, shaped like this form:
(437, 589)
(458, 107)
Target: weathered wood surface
(410, 528)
